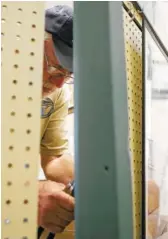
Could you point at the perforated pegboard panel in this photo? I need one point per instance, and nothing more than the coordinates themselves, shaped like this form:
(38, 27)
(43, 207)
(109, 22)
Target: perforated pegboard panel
(133, 50)
(22, 54)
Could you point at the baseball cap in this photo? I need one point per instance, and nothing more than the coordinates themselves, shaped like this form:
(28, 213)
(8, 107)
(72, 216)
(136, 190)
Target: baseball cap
(59, 23)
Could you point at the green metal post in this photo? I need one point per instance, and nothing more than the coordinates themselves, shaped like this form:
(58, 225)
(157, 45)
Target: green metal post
(103, 174)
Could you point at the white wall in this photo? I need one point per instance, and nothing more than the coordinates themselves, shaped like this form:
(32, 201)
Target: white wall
(157, 13)
(157, 110)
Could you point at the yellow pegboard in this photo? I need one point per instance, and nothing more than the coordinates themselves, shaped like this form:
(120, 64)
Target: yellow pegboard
(133, 52)
(22, 56)
(135, 14)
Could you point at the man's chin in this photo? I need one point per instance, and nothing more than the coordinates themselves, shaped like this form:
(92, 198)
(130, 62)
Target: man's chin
(47, 92)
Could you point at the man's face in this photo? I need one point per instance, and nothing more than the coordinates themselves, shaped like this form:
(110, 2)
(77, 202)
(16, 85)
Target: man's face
(54, 75)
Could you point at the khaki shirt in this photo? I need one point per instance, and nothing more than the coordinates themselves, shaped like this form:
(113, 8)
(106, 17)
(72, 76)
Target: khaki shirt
(54, 135)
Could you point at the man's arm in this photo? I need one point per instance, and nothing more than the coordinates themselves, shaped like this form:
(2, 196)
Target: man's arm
(58, 168)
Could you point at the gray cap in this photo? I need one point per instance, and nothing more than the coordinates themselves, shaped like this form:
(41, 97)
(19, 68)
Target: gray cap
(59, 22)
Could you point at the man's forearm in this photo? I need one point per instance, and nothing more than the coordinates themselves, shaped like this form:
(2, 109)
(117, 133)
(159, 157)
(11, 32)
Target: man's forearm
(58, 169)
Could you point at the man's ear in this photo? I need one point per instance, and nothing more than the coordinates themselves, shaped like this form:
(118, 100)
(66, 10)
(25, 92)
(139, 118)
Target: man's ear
(153, 196)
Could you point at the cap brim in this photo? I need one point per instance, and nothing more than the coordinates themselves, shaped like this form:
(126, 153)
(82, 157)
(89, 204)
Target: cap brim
(64, 54)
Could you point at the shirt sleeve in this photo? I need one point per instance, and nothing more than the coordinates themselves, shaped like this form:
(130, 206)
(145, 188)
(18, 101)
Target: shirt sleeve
(55, 138)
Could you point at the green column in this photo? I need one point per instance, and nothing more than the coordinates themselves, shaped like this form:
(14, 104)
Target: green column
(103, 174)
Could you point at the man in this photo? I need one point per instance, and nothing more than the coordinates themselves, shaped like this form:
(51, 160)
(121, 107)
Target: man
(56, 208)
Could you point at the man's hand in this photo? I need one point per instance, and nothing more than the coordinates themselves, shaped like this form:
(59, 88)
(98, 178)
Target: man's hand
(55, 207)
